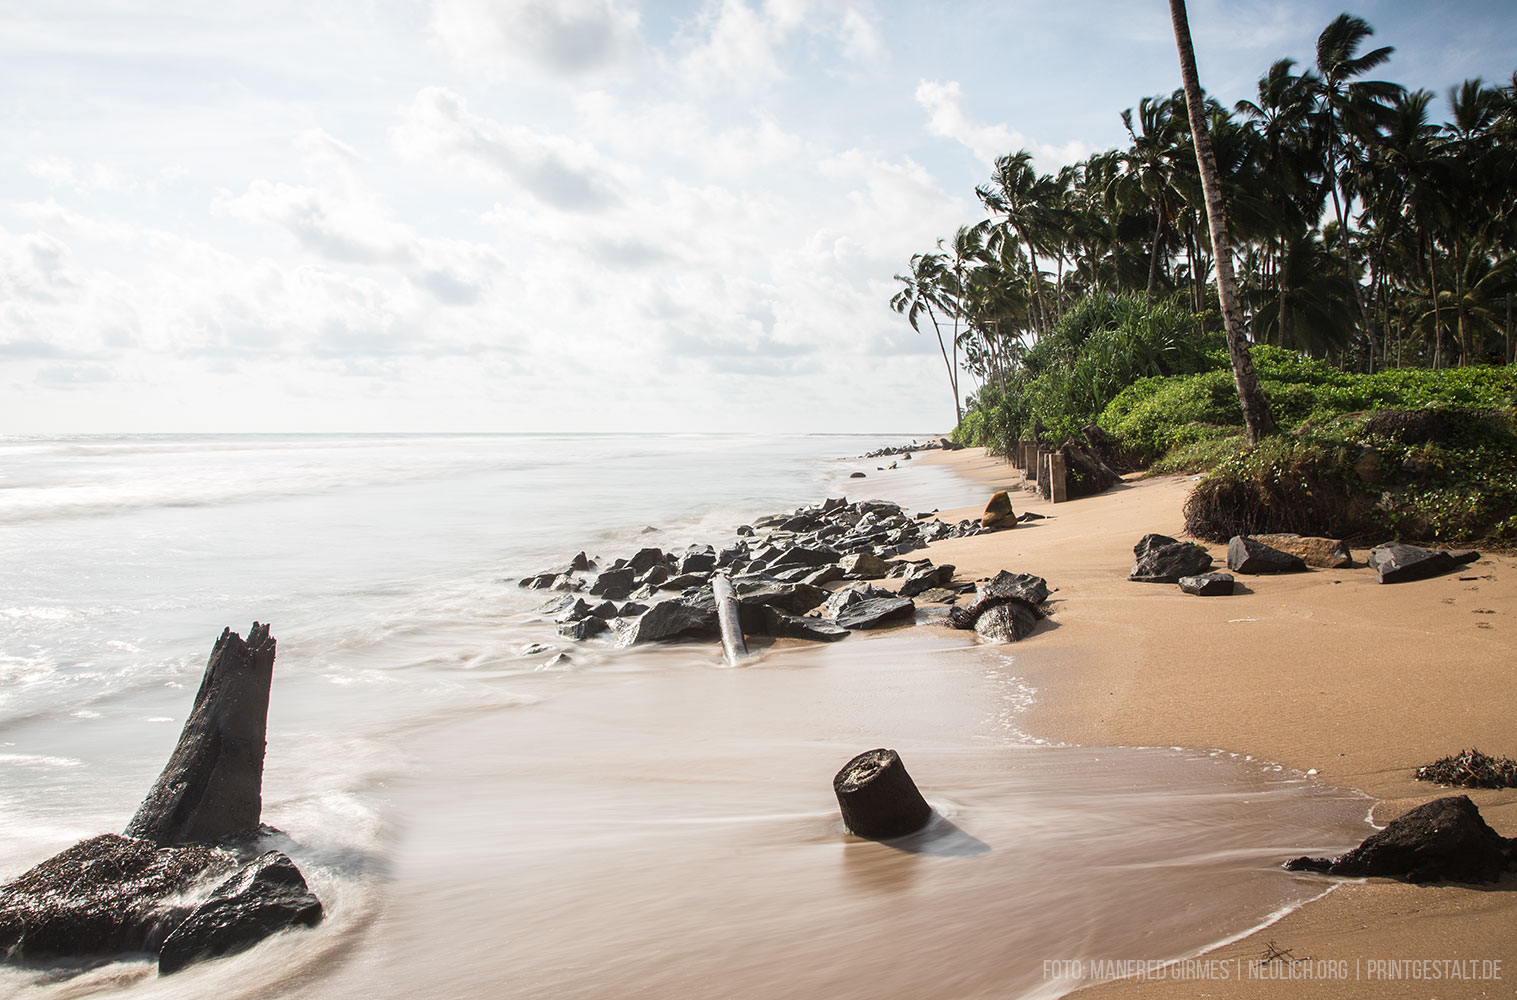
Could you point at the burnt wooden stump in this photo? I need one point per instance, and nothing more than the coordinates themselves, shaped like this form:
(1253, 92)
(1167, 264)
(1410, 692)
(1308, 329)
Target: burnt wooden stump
(212, 786)
(877, 797)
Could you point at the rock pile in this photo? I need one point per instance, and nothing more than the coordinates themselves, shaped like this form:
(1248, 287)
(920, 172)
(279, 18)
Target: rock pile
(780, 567)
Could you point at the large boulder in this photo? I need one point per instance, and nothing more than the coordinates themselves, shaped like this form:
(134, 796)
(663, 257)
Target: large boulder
(1249, 555)
(877, 612)
(998, 512)
(1161, 559)
(212, 786)
(266, 896)
(1024, 590)
(1397, 562)
(1323, 553)
(1446, 840)
(103, 896)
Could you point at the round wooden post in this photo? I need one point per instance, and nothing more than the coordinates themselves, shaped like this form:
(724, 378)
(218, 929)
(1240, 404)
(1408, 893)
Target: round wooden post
(877, 797)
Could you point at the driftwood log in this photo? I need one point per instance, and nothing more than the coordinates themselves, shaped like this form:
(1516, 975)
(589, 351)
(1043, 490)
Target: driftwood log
(733, 646)
(212, 786)
(877, 797)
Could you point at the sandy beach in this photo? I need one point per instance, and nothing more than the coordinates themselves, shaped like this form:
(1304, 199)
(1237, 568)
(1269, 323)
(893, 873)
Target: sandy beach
(1326, 671)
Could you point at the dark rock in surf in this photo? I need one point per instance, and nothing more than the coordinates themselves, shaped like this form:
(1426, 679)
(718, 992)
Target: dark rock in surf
(1446, 840)
(925, 578)
(795, 598)
(857, 475)
(1008, 621)
(670, 620)
(877, 612)
(877, 797)
(763, 619)
(614, 584)
(583, 628)
(212, 785)
(266, 896)
(103, 896)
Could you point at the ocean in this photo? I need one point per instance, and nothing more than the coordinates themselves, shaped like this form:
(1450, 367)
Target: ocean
(480, 821)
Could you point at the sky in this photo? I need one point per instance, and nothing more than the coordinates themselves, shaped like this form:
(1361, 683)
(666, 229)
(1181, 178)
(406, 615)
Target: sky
(553, 215)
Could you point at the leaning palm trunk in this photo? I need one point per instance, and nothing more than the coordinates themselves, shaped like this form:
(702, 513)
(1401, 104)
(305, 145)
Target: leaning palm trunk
(1257, 421)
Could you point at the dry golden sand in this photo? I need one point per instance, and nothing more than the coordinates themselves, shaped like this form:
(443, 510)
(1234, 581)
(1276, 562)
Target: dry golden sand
(1327, 670)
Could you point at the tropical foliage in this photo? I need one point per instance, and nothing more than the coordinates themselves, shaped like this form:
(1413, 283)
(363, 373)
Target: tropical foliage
(1367, 236)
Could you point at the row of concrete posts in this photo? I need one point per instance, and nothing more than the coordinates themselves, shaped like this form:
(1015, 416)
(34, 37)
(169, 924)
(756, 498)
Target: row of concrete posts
(1043, 467)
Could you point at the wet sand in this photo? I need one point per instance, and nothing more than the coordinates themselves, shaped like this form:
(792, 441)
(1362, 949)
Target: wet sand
(1326, 671)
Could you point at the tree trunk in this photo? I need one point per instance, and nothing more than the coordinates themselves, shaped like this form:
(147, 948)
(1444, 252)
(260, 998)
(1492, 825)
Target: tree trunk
(1257, 421)
(1432, 277)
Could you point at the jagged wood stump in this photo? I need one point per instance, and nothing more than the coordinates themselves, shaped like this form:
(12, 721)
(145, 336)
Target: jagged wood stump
(877, 797)
(212, 786)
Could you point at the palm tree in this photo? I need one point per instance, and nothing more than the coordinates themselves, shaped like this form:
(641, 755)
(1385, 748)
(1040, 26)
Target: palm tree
(922, 294)
(1018, 193)
(1349, 113)
(1257, 421)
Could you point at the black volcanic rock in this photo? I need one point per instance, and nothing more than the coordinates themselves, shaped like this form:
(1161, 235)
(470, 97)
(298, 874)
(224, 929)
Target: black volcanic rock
(1161, 559)
(1446, 840)
(264, 897)
(876, 612)
(1249, 555)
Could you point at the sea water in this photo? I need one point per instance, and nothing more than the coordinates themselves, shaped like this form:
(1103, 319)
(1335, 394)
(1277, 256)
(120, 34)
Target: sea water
(484, 821)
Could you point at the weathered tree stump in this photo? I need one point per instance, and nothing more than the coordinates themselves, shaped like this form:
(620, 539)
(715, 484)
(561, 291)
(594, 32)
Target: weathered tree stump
(212, 786)
(877, 797)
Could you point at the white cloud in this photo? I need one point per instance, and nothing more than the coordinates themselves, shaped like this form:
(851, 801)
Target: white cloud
(948, 118)
(569, 37)
(561, 171)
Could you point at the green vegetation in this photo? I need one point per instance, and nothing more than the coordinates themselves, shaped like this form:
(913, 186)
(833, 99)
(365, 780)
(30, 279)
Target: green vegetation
(1377, 270)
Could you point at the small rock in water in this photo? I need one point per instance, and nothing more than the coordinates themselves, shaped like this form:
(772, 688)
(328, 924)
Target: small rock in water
(1446, 840)
(265, 896)
(857, 475)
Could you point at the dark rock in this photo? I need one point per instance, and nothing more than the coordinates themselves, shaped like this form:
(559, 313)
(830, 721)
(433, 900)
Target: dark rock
(1006, 585)
(583, 628)
(762, 619)
(1248, 555)
(697, 562)
(1031, 516)
(948, 445)
(654, 577)
(103, 896)
(558, 604)
(1397, 562)
(848, 596)
(685, 581)
(614, 584)
(799, 556)
(1445, 840)
(1208, 584)
(266, 896)
(857, 475)
(825, 575)
(574, 612)
(670, 620)
(606, 609)
(732, 554)
(863, 566)
(567, 581)
(877, 797)
(645, 559)
(796, 598)
(925, 578)
(795, 574)
(876, 612)
(1008, 621)
(631, 609)
(938, 595)
(212, 785)
(745, 531)
(830, 504)
(533, 649)
(1161, 559)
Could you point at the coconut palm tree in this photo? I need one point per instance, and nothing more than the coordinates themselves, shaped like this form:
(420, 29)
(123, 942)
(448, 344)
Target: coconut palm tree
(1257, 420)
(922, 294)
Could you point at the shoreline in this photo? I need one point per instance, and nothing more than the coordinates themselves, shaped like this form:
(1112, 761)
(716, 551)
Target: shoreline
(1326, 672)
